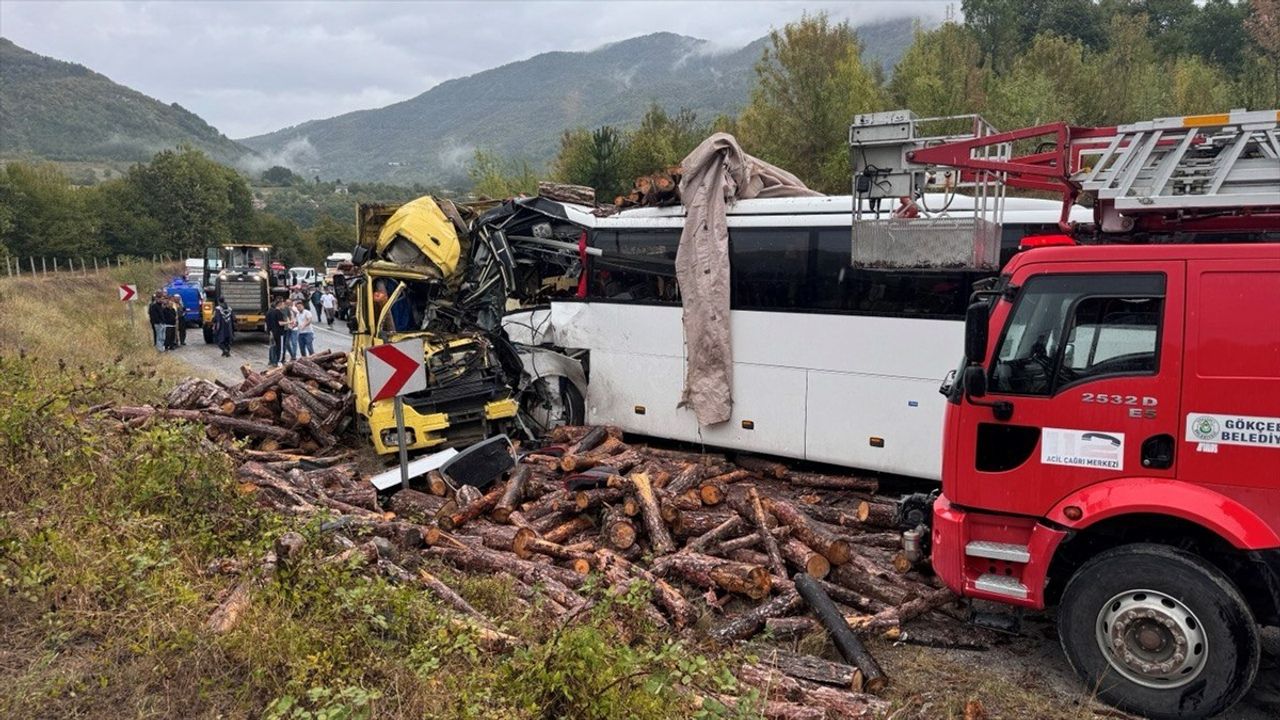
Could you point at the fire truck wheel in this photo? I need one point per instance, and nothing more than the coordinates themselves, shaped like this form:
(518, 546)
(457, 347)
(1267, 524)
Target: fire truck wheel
(1159, 632)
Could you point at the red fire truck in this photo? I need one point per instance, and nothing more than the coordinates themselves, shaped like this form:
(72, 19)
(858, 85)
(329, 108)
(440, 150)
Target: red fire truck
(1112, 441)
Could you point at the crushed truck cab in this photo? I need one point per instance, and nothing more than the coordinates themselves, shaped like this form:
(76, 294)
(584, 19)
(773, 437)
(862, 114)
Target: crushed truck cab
(411, 284)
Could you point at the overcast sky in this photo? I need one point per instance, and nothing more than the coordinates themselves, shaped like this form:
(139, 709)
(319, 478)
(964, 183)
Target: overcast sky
(249, 68)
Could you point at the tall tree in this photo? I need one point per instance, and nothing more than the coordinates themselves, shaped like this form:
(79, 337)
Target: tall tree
(45, 216)
(493, 177)
(1264, 28)
(810, 83)
(595, 158)
(661, 140)
(196, 201)
(1127, 82)
(941, 73)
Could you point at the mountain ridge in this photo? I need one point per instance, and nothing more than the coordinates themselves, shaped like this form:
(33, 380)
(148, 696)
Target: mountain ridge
(520, 109)
(57, 110)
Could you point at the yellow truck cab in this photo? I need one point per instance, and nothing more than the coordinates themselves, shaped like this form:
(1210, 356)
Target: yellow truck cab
(412, 259)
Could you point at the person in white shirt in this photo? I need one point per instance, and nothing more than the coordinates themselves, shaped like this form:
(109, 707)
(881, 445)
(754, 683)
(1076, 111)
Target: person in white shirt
(305, 328)
(330, 304)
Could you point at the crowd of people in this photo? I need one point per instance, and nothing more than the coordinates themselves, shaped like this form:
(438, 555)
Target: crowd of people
(290, 321)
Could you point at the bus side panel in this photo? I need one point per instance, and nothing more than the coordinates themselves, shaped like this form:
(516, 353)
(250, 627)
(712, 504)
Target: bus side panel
(768, 412)
(875, 422)
(621, 382)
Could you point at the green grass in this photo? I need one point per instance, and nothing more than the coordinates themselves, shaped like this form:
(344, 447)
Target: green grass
(107, 537)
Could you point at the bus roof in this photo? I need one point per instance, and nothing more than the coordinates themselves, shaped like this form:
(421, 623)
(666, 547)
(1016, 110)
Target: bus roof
(822, 210)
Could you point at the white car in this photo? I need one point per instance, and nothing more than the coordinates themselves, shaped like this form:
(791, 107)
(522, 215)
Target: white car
(304, 276)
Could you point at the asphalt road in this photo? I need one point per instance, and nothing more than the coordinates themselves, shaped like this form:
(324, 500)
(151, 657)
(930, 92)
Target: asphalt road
(251, 348)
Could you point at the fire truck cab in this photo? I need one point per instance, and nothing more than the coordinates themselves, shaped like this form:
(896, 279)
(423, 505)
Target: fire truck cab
(1112, 447)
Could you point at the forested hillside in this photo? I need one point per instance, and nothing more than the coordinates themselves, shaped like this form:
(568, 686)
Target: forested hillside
(56, 110)
(520, 109)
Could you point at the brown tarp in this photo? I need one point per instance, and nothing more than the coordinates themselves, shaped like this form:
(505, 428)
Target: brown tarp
(715, 174)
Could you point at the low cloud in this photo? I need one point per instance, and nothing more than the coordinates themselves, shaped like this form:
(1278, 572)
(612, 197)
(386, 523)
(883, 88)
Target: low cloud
(297, 155)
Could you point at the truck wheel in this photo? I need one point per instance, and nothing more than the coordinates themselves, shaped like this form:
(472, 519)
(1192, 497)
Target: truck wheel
(208, 335)
(1159, 632)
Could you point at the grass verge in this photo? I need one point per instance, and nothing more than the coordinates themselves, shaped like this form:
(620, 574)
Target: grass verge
(112, 541)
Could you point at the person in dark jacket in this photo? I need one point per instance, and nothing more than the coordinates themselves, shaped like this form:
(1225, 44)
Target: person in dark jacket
(277, 330)
(224, 327)
(181, 324)
(169, 315)
(156, 317)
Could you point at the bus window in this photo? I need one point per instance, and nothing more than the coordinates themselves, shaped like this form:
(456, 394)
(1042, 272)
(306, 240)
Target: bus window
(831, 286)
(636, 266)
(770, 268)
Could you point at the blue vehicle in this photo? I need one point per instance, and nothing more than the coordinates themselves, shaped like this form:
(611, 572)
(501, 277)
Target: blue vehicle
(192, 296)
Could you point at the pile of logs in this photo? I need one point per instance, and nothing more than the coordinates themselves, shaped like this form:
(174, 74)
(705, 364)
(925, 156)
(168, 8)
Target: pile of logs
(297, 410)
(739, 548)
(656, 190)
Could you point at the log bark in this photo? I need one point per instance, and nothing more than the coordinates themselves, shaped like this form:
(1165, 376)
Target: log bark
(669, 598)
(770, 544)
(833, 482)
(877, 514)
(707, 571)
(809, 667)
(512, 494)
(711, 538)
(850, 647)
(895, 616)
(560, 192)
(749, 623)
(588, 441)
(833, 702)
(618, 531)
(413, 505)
(831, 547)
(473, 510)
(659, 538)
(696, 522)
(565, 530)
(761, 466)
(804, 559)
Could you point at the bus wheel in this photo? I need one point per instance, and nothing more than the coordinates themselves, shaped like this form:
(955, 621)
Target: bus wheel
(549, 402)
(1159, 632)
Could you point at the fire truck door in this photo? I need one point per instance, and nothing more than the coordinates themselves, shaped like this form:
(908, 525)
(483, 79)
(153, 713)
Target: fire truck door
(1089, 362)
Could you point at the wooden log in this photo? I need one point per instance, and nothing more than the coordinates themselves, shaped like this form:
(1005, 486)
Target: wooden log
(810, 667)
(850, 647)
(895, 616)
(546, 504)
(695, 522)
(526, 544)
(761, 466)
(585, 500)
(792, 628)
(833, 702)
(770, 544)
(746, 624)
(832, 515)
(361, 496)
(436, 483)
(560, 192)
(297, 412)
(707, 571)
(473, 510)
(659, 538)
(234, 424)
(669, 598)
(877, 514)
(711, 492)
(599, 455)
(618, 531)
(305, 368)
(413, 505)
(833, 482)
(831, 547)
(551, 578)
(512, 494)
(588, 441)
(857, 576)
(565, 530)
(804, 559)
(853, 599)
(711, 538)
(684, 480)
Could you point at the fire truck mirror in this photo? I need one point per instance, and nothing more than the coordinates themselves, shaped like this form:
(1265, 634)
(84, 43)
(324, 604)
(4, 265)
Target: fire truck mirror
(975, 333)
(975, 381)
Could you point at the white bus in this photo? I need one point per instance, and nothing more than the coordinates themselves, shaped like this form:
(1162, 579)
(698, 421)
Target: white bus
(832, 363)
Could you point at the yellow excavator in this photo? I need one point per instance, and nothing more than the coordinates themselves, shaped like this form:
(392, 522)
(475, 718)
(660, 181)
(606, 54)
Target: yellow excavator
(416, 278)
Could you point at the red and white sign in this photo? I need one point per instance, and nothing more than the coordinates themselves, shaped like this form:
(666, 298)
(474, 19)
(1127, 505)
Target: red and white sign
(128, 293)
(395, 369)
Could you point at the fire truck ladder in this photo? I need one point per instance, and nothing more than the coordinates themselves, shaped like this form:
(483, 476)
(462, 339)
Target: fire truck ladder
(1216, 172)
(1199, 163)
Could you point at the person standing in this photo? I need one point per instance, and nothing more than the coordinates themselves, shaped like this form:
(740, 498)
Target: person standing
(291, 329)
(224, 325)
(156, 317)
(306, 329)
(317, 300)
(169, 316)
(181, 324)
(277, 321)
(329, 302)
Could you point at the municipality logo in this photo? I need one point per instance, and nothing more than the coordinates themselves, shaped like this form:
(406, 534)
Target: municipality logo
(1205, 428)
